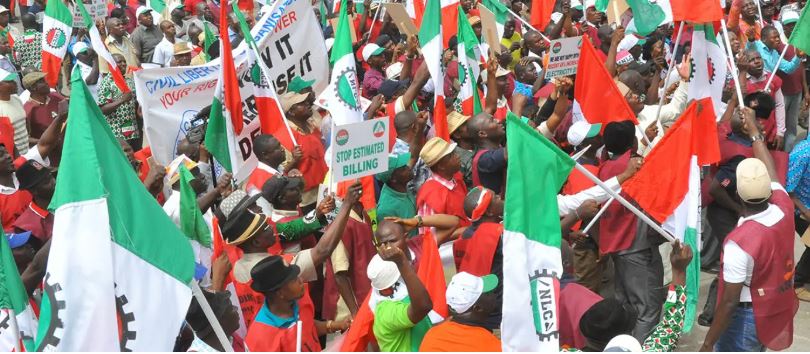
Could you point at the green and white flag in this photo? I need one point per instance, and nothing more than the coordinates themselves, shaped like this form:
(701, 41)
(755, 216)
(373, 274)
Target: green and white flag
(537, 170)
(119, 269)
(7, 76)
(648, 15)
(709, 67)
(191, 218)
(15, 310)
(468, 68)
(800, 38)
(57, 25)
(343, 98)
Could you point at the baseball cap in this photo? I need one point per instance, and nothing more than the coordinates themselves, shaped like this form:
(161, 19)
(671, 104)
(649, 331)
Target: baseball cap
(173, 170)
(383, 274)
(31, 174)
(624, 57)
(3, 9)
(753, 181)
(788, 17)
(141, 10)
(18, 239)
(78, 48)
(395, 161)
(465, 289)
(581, 130)
(297, 84)
(435, 149)
(370, 50)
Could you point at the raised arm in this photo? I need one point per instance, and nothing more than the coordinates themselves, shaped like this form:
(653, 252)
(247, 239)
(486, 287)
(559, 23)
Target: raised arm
(334, 232)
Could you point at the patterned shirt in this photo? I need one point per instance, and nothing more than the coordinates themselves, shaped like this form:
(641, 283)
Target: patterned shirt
(29, 50)
(664, 337)
(123, 119)
(798, 181)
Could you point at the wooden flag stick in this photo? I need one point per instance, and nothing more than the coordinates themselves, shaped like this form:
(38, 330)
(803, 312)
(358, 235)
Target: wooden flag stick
(527, 24)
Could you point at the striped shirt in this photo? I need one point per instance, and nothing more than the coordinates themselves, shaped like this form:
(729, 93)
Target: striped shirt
(13, 109)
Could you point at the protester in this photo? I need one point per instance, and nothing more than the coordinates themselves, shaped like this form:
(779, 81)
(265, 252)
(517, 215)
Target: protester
(164, 51)
(29, 48)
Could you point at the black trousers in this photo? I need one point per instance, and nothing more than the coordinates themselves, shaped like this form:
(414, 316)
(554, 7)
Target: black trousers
(802, 275)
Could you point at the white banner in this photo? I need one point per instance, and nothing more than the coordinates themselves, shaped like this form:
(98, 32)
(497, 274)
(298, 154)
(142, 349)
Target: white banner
(563, 57)
(291, 43)
(360, 149)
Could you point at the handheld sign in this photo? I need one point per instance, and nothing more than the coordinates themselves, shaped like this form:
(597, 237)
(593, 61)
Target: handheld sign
(490, 29)
(360, 149)
(401, 18)
(563, 57)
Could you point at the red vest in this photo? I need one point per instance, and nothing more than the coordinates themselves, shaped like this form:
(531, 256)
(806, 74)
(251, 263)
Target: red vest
(575, 299)
(312, 164)
(257, 179)
(617, 227)
(357, 238)
(769, 125)
(265, 338)
(479, 252)
(12, 205)
(772, 295)
(442, 200)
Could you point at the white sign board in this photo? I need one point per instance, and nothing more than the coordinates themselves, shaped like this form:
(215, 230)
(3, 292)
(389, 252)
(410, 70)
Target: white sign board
(291, 44)
(563, 57)
(360, 149)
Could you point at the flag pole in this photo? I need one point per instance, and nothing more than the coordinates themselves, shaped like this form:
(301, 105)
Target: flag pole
(598, 215)
(12, 320)
(266, 74)
(298, 329)
(775, 68)
(212, 319)
(643, 217)
(759, 10)
(527, 24)
(733, 62)
(669, 70)
(374, 19)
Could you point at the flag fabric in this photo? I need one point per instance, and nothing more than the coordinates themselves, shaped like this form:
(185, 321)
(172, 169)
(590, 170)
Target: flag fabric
(450, 14)
(501, 13)
(647, 16)
(112, 250)
(14, 302)
(219, 247)
(210, 38)
(191, 218)
(468, 68)
(57, 25)
(101, 49)
(5, 75)
(696, 10)
(532, 238)
(271, 115)
(709, 67)
(431, 273)
(156, 5)
(344, 100)
(597, 99)
(675, 162)
(415, 10)
(225, 122)
(7, 33)
(541, 13)
(800, 38)
(430, 39)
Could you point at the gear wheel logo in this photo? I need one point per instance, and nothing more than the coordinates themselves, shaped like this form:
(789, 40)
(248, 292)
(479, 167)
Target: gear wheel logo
(52, 305)
(347, 88)
(710, 70)
(126, 321)
(544, 289)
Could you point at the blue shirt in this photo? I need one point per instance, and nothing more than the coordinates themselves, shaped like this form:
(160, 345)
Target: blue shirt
(771, 56)
(798, 179)
(268, 318)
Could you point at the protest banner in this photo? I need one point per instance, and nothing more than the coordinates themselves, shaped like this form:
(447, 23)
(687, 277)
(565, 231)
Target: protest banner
(401, 18)
(291, 44)
(563, 57)
(360, 149)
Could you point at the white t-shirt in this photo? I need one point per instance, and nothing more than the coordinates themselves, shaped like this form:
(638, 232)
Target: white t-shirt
(164, 52)
(13, 109)
(738, 266)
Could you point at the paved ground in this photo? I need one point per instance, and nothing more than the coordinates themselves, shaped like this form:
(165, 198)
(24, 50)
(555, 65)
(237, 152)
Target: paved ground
(801, 335)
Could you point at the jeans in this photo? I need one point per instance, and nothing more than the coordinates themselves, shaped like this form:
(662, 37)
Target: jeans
(793, 105)
(741, 334)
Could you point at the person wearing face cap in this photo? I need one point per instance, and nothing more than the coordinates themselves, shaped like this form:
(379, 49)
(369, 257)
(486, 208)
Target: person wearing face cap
(395, 198)
(146, 36)
(88, 66)
(284, 194)
(307, 156)
(205, 339)
(794, 85)
(280, 280)
(756, 301)
(374, 56)
(38, 180)
(471, 299)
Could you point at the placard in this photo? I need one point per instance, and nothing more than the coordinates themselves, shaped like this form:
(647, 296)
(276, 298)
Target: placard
(401, 19)
(563, 57)
(489, 29)
(360, 149)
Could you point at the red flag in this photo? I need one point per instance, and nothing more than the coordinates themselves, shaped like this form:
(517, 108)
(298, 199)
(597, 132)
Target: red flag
(696, 10)
(694, 134)
(597, 99)
(449, 22)
(541, 13)
(271, 118)
(431, 273)
(232, 100)
(361, 333)
(7, 135)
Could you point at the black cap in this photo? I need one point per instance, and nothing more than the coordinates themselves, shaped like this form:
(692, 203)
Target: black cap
(382, 40)
(271, 273)
(389, 88)
(276, 184)
(606, 319)
(31, 173)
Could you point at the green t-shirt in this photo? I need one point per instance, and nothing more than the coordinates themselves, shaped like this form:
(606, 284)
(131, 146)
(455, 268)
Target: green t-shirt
(392, 327)
(393, 203)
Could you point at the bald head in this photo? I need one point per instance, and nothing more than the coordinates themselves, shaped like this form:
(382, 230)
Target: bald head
(404, 120)
(476, 123)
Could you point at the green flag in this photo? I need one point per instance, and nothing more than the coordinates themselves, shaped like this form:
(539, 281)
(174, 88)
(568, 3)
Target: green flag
(209, 39)
(800, 38)
(647, 16)
(191, 218)
(537, 170)
(13, 302)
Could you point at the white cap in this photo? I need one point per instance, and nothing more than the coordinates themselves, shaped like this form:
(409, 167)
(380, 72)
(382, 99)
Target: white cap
(79, 47)
(370, 50)
(141, 10)
(393, 71)
(383, 274)
(581, 130)
(465, 289)
(788, 16)
(629, 41)
(623, 343)
(3, 9)
(753, 181)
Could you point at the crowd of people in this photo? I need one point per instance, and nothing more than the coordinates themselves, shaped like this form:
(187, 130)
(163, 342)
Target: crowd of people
(295, 271)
